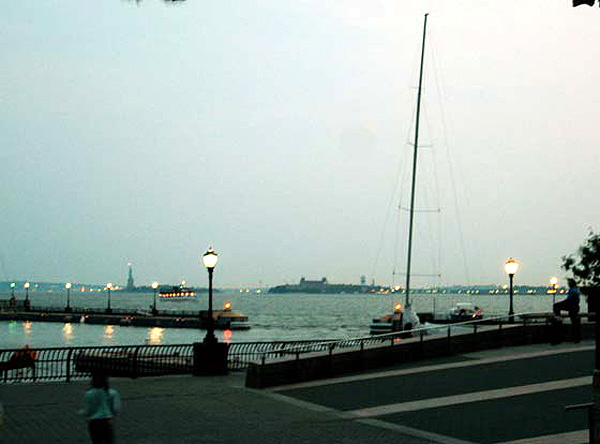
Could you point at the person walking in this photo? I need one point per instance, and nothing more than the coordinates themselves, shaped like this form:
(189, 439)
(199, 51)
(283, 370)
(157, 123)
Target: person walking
(571, 305)
(102, 404)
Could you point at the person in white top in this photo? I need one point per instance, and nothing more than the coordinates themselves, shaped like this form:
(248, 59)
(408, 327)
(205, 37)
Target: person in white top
(102, 404)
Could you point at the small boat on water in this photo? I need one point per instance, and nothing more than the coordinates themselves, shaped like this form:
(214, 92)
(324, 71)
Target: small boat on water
(401, 319)
(227, 319)
(463, 312)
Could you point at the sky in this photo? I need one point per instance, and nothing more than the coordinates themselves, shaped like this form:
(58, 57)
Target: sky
(279, 132)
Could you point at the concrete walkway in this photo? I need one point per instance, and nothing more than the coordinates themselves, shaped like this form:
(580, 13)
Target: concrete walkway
(411, 404)
(179, 409)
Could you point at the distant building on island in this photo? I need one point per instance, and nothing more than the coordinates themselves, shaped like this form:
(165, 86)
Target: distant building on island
(313, 286)
(322, 286)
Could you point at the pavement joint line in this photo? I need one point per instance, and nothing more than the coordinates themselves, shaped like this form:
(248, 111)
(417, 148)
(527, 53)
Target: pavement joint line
(410, 431)
(427, 368)
(485, 395)
(417, 433)
(577, 437)
(297, 402)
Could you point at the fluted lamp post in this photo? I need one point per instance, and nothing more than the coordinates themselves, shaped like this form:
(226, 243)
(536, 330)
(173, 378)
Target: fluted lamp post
(27, 302)
(154, 287)
(109, 287)
(68, 287)
(210, 355)
(554, 285)
(210, 259)
(511, 267)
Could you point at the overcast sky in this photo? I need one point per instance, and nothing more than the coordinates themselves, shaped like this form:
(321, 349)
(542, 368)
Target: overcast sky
(276, 131)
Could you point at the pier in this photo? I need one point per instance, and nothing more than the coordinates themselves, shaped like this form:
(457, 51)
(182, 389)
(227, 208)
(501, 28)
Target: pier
(132, 318)
(512, 395)
(502, 383)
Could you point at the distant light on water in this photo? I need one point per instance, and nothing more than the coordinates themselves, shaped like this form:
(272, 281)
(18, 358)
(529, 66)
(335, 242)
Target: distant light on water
(27, 327)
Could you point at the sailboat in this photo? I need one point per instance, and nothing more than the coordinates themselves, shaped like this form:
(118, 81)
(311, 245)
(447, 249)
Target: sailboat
(403, 317)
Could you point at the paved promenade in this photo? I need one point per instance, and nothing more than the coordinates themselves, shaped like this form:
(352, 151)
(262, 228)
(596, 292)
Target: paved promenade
(510, 395)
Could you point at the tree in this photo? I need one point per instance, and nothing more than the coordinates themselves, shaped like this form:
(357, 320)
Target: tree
(583, 2)
(585, 264)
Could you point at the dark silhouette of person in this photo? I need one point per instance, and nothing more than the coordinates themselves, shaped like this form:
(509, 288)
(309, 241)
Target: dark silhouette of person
(102, 404)
(571, 305)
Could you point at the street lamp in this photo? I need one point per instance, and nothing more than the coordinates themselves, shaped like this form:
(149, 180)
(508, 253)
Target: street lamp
(511, 267)
(68, 287)
(109, 287)
(210, 260)
(27, 303)
(154, 287)
(554, 284)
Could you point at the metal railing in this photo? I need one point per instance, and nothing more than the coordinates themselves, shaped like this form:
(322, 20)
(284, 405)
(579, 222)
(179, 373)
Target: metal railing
(397, 337)
(70, 363)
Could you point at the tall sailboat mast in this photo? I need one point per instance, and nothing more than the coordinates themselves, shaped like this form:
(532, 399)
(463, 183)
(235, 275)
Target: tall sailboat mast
(414, 169)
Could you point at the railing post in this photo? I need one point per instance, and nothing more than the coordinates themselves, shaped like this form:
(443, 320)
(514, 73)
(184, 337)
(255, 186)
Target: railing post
(69, 364)
(135, 361)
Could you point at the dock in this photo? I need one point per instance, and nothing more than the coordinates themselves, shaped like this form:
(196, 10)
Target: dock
(130, 318)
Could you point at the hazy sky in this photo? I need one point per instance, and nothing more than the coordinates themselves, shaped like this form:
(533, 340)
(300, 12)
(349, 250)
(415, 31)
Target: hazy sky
(276, 131)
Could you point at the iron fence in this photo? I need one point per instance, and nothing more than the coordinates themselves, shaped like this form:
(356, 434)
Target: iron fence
(70, 363)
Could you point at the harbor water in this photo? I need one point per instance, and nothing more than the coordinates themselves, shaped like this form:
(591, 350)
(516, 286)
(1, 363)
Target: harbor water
(274, 317)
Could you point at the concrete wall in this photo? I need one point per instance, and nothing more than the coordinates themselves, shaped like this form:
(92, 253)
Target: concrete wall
(313, 366)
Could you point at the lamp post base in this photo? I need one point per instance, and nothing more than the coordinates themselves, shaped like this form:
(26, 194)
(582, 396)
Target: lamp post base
(210, 358)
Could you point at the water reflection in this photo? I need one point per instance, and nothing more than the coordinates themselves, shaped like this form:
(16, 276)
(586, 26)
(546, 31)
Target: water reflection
(108, 332)
(155, 335)
(27, 328)
(227, 335)
(68, 332)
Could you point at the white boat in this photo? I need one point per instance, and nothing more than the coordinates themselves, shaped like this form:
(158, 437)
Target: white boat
(401, 319)
(463, 312)
(177, 293)
(404, 318)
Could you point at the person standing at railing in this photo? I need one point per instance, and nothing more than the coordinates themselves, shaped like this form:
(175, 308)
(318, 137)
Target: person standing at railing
(102, 404)
(571, 305)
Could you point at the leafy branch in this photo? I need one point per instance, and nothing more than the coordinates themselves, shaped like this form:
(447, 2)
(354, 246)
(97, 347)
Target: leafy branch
(585, 264)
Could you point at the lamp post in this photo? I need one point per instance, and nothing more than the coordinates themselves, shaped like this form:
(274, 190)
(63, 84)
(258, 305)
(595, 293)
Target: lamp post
(68, 287)
(27, 303)
(109, 287)
(554, 284)
(210, 355)
(154, 287)
(210, 260)
(511, 267)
